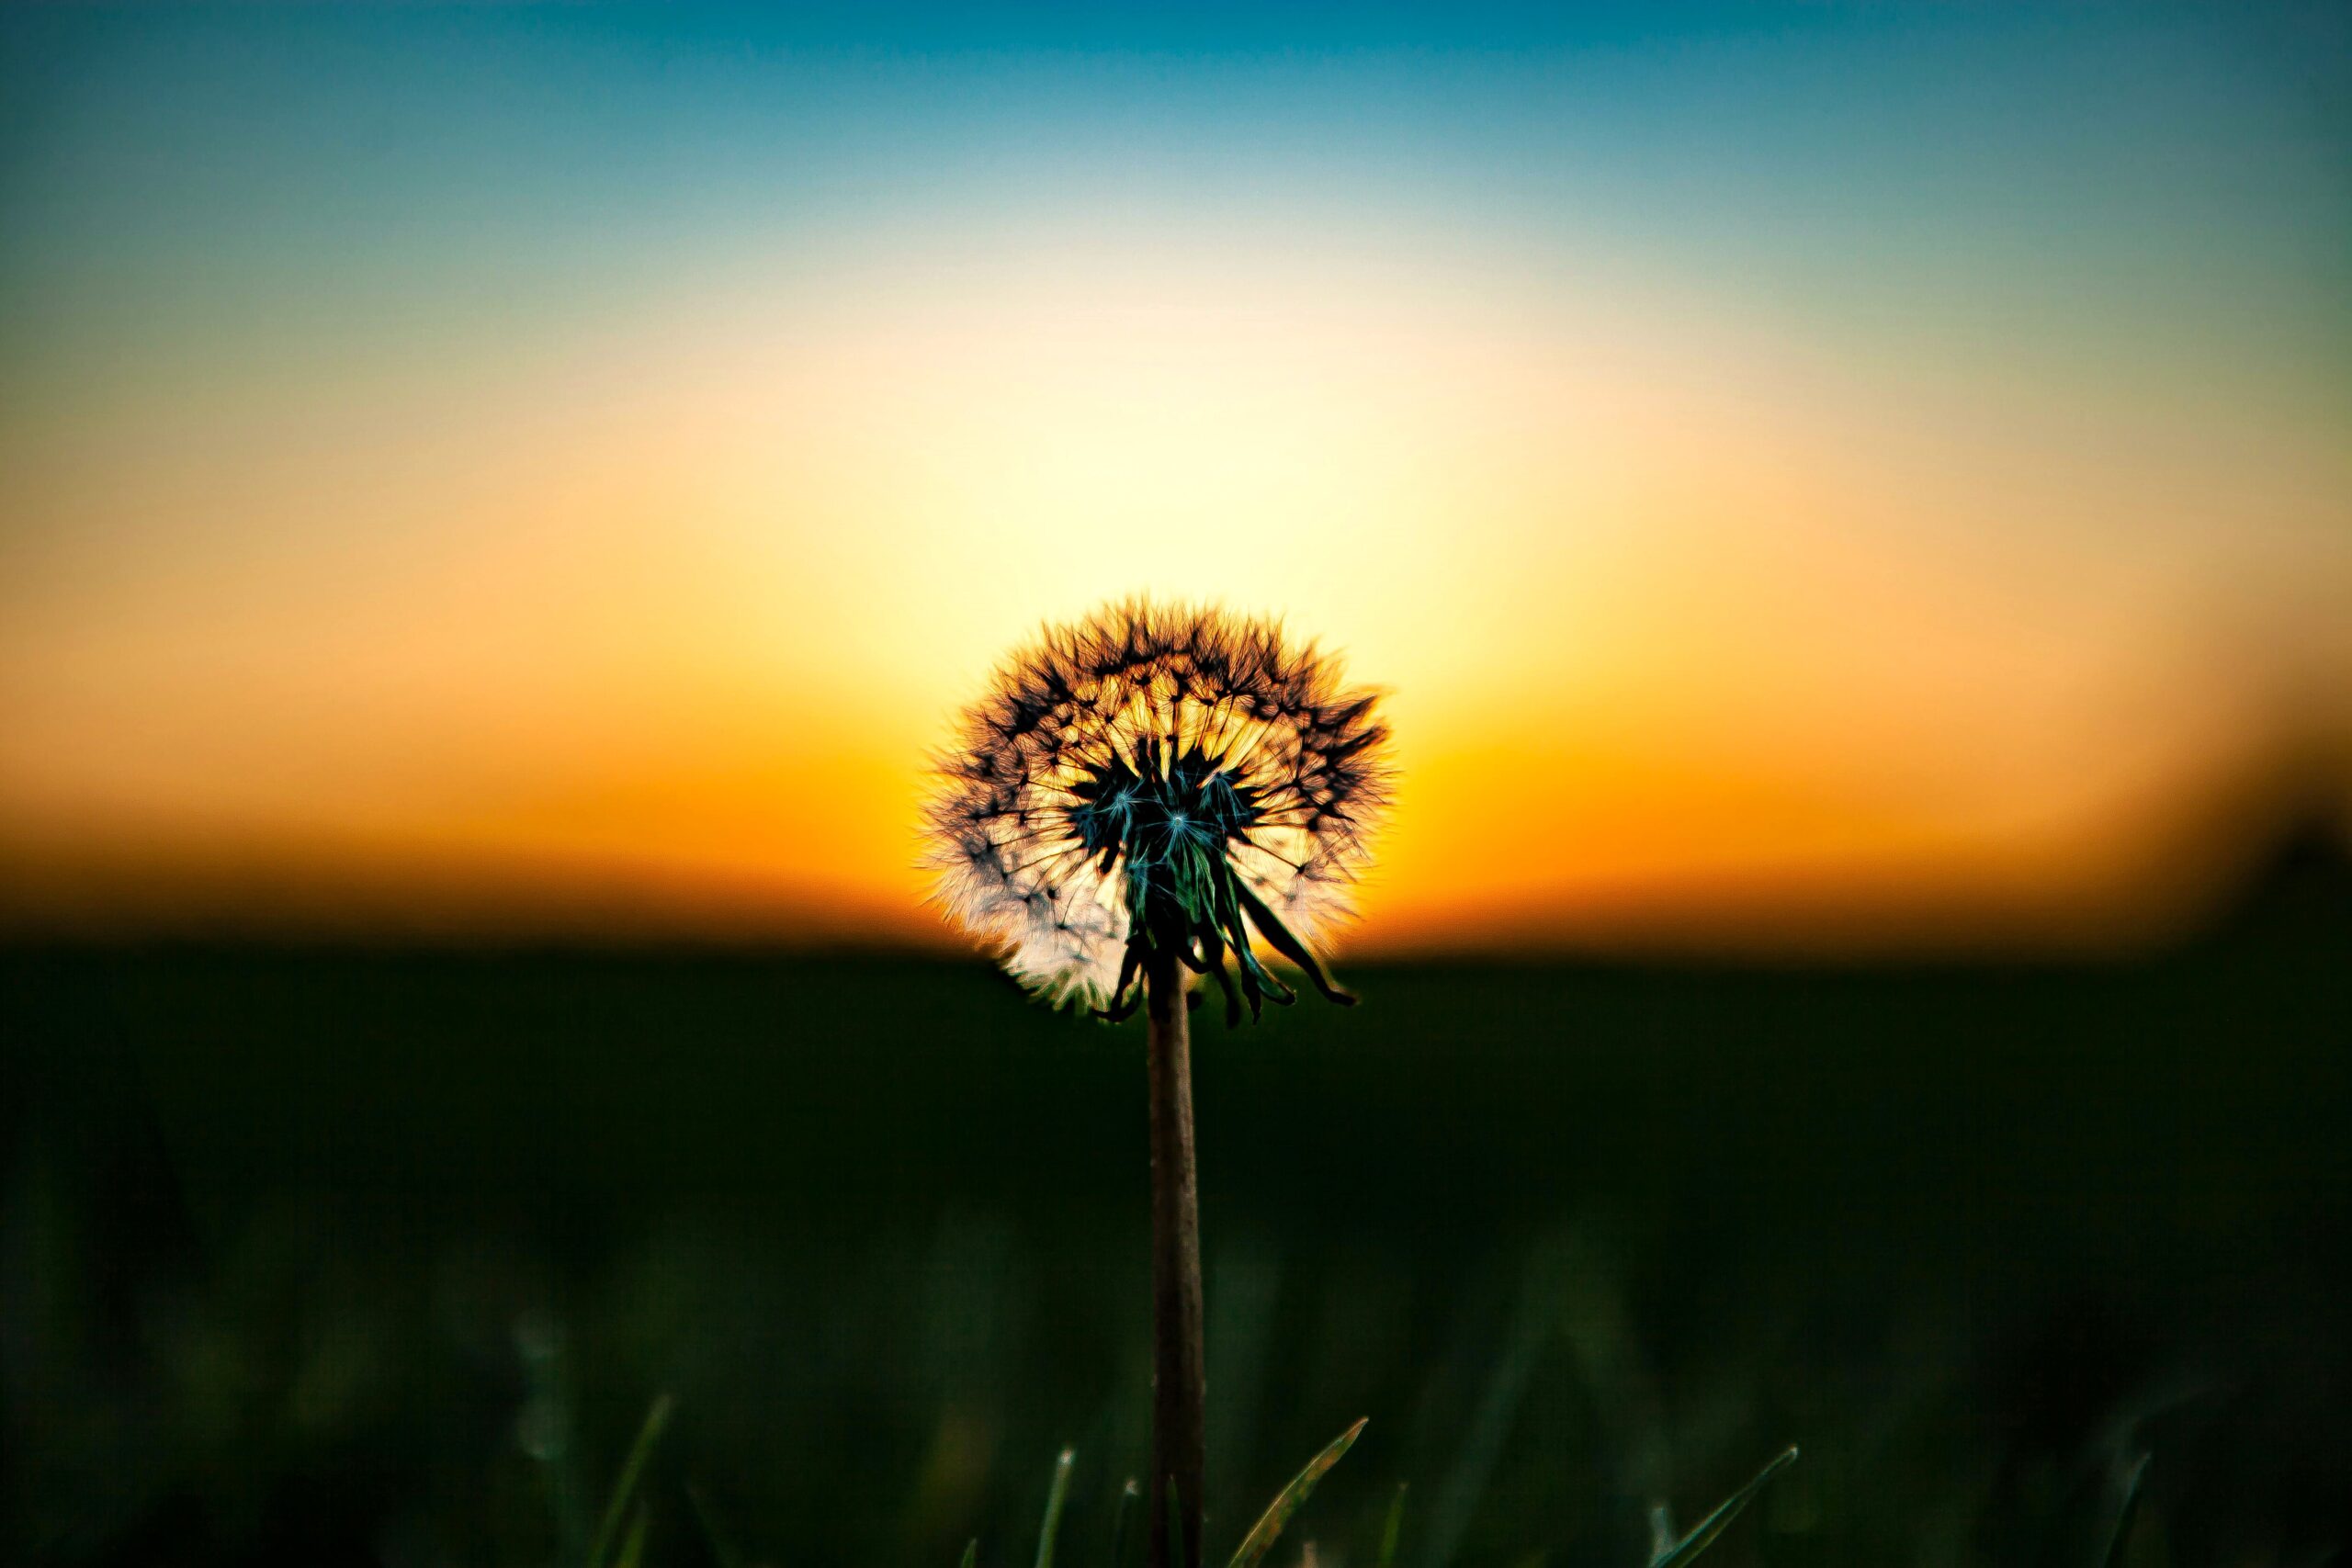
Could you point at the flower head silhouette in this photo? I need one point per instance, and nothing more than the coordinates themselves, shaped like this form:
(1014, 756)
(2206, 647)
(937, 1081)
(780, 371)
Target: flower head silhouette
(1158, 780)
(1151, 790)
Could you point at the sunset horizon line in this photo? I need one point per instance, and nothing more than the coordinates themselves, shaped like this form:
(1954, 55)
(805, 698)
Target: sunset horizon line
(2172, 884)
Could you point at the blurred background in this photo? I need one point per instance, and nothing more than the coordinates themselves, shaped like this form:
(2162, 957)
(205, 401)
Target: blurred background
(1851, 508)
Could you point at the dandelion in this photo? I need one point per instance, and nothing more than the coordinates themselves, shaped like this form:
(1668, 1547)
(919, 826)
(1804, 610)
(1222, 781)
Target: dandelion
(1156, 781)
(1143, 795)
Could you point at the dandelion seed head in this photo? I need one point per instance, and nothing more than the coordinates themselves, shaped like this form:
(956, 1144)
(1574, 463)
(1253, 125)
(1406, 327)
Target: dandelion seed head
(1157, 779)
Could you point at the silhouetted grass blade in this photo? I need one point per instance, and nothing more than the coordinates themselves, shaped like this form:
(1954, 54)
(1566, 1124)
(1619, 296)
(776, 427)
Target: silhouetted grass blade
(632, 1471)
(1269, 1524)
(1050, 1528)
(1393, 1528)
(633, 1547)
(1128, 1495)
(2113, 1557)
(1662, 1535)
(1702, 1535)
(724, 1553)
(1457, 1503)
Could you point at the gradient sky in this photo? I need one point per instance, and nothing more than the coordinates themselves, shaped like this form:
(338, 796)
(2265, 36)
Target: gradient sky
(1845, 474)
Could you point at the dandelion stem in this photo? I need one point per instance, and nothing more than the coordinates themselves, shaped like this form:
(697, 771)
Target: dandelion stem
(1179, 1388)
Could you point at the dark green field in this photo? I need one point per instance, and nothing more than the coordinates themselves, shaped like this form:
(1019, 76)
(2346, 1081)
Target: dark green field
(328, 1256)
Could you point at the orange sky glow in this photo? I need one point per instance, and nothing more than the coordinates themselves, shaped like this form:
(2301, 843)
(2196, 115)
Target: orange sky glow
(1710, 612)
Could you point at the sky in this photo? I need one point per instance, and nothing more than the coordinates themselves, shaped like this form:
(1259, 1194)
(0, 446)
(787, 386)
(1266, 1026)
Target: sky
(1854, 477)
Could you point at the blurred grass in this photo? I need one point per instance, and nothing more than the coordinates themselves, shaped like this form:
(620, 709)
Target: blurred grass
(1673, 1552)
(1293, 1497)
(338, 1256)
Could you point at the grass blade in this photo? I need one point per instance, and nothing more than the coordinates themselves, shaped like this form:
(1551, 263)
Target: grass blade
(1703, 1534)
(1050, 1530)
(1390, 1531)
(632, 1471)
(1662, 1532)
(972, 1554)
(1269, 1524)
(1534, 1322)
(1128, 1498)
(2124, 1514)
(723, 1550)
(633, 1548)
